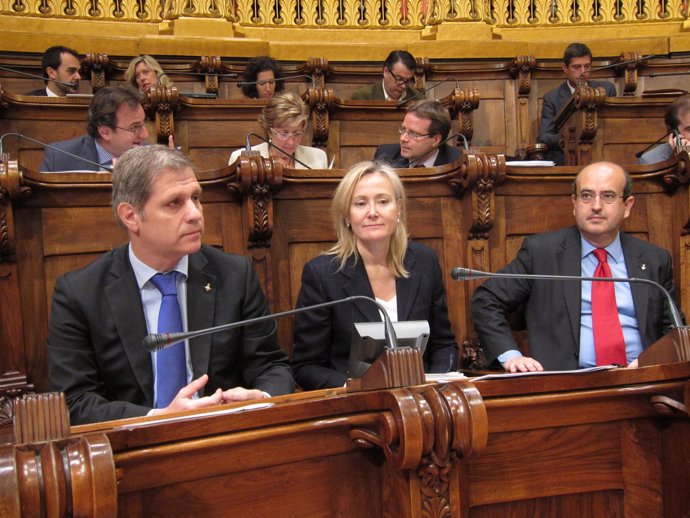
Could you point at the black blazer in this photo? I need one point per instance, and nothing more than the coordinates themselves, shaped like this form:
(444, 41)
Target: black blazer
(553, 308)
(553, 101)
(391, 154)
(40, 92)
(97, 325)
(323, 337)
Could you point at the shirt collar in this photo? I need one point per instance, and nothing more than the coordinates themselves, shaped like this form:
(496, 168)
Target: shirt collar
(104, 156)
(614, 250)
(143, 272)
(428, 161)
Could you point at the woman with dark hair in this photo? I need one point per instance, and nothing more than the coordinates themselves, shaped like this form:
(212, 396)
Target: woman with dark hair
(263, 76)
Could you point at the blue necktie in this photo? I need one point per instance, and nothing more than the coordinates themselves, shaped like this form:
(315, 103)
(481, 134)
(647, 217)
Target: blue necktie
(171, 366)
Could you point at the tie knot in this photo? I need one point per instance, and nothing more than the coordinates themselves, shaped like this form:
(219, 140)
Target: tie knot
(601, 255)
(166, 283)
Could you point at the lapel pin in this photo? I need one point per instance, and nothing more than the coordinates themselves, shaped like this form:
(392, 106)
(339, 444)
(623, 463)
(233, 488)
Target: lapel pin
(643, 267)
(208, 287)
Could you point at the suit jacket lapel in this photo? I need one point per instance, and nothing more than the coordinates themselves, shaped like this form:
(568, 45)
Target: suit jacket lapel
(635, 266)
(124, 299)
(201, 303)
(564, 95)
(570, 263)
(358, 284)
(406, 289)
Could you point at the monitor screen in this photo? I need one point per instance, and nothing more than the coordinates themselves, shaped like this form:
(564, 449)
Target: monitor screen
(368, 342)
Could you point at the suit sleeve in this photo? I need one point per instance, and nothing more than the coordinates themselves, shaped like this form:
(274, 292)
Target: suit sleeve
(314, 336)
(495, 299)
(266, 365)
(547, 127)
(48, 164)
(441, 354)
(74, 363)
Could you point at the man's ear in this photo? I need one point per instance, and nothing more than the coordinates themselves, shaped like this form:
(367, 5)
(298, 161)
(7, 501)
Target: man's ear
(104, 132)
(129, 216)
(51, 73)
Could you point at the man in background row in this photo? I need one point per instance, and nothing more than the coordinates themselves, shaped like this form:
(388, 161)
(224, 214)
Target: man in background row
(677, 120)
(398, 78)
(163, 281)
(581, 324)
(422, 138)
(60, 66)
(577, 64)
(116, 123)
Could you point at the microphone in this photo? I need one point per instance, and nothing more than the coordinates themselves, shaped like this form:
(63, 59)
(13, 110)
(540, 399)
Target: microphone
(650, 146)
(248, 147)
(157, 341)
(634, 60)
(423, 94)
(74, 84)
(463, 274)
(45, 145)
(202, 74)
(193, 95)
(240, 84)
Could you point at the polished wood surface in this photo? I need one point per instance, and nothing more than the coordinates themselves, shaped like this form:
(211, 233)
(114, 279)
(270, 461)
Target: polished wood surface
(572, 445)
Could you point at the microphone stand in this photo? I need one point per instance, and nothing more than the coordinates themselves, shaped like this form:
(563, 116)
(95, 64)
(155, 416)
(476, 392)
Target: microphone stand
(35, 76)
(424, 155)
(157, 341)
(621, 63)
(271, 144)
(457, 85)
(461, 274)
(657, 141)
(101, 166)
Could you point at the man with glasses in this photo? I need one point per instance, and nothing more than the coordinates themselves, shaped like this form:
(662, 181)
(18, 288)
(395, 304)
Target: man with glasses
(116, 123)
(422, 138)
(397, 82)
(575, 324)
(577, 64)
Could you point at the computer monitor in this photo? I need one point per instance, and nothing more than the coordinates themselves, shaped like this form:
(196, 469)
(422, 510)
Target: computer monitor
(369, 341)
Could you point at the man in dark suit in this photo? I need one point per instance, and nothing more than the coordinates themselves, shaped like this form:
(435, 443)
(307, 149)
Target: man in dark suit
(398, 78)
(101, 313)
(422, 138)
(116, 123)
(60, 65)
(559, 315)
(577, 63)
(677, 120)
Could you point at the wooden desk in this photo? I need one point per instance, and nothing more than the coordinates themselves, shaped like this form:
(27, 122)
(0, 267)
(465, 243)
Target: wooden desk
(580, 445)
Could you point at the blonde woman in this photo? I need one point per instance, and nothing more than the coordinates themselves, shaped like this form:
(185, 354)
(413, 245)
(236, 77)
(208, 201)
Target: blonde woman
(284, 120)
(144, 72)
(372, 257)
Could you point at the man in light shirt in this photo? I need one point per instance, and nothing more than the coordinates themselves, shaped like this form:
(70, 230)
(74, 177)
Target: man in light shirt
(60, 66)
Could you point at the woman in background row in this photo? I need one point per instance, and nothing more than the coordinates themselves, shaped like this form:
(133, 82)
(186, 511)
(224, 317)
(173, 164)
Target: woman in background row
(144, 72)
(284, 119)
(374, 258)
(262, 73)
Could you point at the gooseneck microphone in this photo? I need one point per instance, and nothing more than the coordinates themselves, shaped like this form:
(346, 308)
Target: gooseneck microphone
(423, 94)
(650, 146)
(248, 147)
(74, 84)
(240, 84)
(56, 149)
(158, 341)
(463, 274)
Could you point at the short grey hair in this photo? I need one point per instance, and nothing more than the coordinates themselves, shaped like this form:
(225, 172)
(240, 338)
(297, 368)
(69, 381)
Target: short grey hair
(136, 169)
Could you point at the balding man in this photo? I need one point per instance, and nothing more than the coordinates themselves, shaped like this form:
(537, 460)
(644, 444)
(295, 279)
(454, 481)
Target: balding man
(573, 324)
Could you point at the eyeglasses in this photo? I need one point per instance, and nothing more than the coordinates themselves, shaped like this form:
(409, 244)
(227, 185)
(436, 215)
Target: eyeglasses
(588, 197)
(285, 135)
(134, 128)
(400, 80)
(412, 134)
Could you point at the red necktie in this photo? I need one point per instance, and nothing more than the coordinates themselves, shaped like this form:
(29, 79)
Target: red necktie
(609, 344)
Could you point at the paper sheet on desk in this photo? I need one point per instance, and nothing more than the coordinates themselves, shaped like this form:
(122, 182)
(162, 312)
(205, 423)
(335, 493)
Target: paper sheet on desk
(530, 163)
(441, 377)
(504, 375)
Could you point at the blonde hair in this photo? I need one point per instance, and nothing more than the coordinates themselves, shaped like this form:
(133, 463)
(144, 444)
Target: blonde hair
(346, 245)
(284, 109)
(131, 76)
